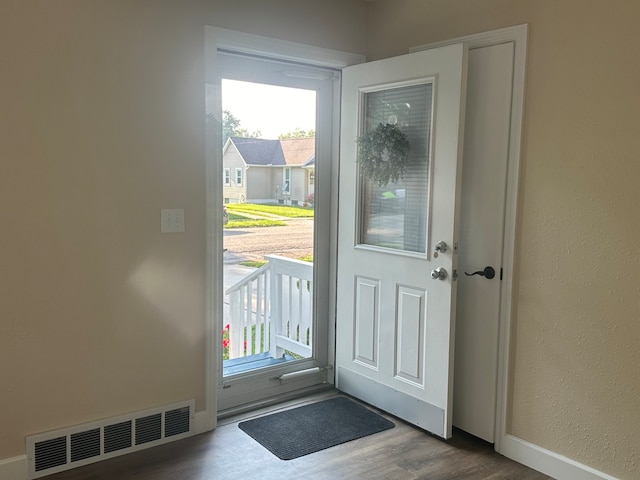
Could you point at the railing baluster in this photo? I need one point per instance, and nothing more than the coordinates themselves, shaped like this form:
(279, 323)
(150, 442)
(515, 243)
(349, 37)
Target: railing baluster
(290, 320)
(302, 335)
(247, 319)
(253, 335)
(267, 312)
(278, 307)
(259, 319)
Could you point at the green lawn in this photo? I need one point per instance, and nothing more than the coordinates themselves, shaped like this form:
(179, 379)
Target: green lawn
(252, 222)
(259, 263)
(253, 263)
(291, 211)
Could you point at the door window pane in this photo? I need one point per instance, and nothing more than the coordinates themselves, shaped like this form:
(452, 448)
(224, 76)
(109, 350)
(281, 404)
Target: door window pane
(268, 313)
(395, 215)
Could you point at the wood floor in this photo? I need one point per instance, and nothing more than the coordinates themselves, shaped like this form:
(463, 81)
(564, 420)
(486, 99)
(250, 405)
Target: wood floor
(402, 453)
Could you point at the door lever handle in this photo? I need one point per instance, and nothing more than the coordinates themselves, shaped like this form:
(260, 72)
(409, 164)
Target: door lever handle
(487, 273)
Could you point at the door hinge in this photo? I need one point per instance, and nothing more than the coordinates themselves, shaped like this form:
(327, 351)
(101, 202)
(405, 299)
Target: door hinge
(454, 275)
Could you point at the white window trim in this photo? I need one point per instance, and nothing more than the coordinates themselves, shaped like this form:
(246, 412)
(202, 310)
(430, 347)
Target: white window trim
(227, 177)
(239, 178)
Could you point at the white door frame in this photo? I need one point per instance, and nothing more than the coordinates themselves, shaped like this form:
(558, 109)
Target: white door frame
(220, 39)
(517, 35)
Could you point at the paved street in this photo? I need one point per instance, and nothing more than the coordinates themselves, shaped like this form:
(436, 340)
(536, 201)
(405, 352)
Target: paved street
(294, 240)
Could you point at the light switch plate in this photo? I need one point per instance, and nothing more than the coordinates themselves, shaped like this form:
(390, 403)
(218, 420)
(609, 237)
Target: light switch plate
(172, 220)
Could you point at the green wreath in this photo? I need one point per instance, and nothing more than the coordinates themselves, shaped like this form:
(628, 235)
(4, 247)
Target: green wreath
(383, 153)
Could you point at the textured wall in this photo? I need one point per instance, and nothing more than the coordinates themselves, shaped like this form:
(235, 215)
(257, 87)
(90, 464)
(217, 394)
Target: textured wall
(101, 126)
(576, 345)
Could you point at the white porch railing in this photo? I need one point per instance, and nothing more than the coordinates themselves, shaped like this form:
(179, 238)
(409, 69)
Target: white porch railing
(272, 310)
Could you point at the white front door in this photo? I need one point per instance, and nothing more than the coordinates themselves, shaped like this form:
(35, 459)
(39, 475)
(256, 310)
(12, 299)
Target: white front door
(395, 322)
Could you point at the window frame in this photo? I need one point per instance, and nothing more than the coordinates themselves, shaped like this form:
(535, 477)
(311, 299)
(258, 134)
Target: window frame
(286, 181)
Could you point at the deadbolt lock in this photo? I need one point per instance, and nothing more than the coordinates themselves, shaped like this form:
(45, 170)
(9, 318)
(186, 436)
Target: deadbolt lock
(441, 247)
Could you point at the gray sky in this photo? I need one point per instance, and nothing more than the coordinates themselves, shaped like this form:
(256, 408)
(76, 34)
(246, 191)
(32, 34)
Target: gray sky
(272, 110)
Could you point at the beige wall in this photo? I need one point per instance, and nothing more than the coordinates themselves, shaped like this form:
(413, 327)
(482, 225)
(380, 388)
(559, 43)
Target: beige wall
(101, 126)
(298, 184)
(576, 348)
(233, 160)
(260, 183)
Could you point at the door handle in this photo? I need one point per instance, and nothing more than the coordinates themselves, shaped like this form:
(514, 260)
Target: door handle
(487, 273)
(439, 273)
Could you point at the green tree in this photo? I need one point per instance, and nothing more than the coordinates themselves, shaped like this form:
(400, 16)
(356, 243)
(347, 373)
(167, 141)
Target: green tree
(297, 133)
(231, 128)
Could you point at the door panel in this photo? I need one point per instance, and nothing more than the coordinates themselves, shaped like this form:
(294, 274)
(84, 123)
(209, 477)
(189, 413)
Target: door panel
(410, 328)
(366, 321)
(484, 178)
(395, 323)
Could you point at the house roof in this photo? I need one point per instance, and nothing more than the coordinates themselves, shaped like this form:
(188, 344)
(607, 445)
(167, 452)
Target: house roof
(263, 152)
(258, 151)
(298, 151)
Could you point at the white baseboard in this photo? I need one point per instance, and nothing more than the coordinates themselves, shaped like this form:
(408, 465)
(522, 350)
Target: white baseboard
(548, 462)
(538, 458)
(201, 423)
(14, 468)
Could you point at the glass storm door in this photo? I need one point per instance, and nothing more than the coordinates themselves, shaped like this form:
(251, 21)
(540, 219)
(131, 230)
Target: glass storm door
(274, 325)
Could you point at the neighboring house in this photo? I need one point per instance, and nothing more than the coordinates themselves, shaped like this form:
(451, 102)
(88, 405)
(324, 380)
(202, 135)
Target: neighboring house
(258, 170)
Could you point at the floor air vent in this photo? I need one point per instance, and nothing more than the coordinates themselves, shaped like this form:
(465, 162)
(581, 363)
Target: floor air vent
(72, 447)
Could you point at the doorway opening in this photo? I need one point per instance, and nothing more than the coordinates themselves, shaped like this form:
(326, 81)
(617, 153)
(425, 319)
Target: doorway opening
(274, 172)
(269, 141)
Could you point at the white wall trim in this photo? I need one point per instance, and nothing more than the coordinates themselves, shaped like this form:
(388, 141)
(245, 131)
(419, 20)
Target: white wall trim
(281, 50)
(548, 462)
(201, 422)
(14, 468)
